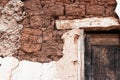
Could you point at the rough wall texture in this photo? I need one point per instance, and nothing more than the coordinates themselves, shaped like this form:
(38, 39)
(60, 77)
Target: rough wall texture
(10, 28)
(13, 69)
(40, 40)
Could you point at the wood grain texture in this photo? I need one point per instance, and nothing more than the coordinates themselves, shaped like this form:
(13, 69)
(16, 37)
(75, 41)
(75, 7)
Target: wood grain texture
(102, 62)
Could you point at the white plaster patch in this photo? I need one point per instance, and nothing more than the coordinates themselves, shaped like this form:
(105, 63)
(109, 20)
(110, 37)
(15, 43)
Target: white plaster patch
(117, 10)
(28, 70)
(7, 65)
(86, 23)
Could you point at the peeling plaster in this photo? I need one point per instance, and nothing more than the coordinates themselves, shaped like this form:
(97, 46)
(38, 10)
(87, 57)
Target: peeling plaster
(12, 69)
(9, 41)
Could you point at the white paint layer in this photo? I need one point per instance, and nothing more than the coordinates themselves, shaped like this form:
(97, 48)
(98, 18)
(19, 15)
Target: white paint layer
(34, 71)
(7, 65)
(86, 23)
(117, 10)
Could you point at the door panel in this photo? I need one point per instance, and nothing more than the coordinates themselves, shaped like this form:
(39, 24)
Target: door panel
(102, 62)
(118, 65)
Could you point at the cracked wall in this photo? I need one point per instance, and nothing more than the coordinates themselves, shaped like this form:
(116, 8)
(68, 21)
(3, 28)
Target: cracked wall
(38, 40)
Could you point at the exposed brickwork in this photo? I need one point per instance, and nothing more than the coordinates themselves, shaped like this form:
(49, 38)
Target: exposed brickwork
(74, 10)
(40, 41)
(95, 10)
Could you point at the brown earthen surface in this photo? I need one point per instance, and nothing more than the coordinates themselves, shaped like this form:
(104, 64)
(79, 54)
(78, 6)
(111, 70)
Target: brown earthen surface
(40, 40)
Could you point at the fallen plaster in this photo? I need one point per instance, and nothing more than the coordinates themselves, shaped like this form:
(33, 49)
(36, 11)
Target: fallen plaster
(87, 23)
(117, 10)
(11, 14)
(64, 69)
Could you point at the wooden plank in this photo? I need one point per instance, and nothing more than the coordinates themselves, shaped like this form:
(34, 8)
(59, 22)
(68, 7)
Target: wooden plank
(110, 65)
(105, 58)
(105, 39)
(95, 63)
(93, 22)
(81, 55)
(118, 65)
(103, 63)
(88, 57)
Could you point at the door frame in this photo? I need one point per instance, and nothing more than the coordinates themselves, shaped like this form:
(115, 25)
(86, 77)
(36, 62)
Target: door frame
(87, 24)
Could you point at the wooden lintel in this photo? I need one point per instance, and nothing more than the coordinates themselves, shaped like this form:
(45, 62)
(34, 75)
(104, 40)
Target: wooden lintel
(81, 71)
(94, 23)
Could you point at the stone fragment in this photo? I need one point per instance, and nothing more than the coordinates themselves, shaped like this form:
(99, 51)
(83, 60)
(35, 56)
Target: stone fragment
(74, 9)
(57, 36)
(30, 47)
(62, 17)
(111, 2)
(52, 50)
(95, 10)
(84, 0)
(47, 35)
(40, 39)
(32, 5)
(66, 1)
(20, 53)
(110, 11)
(24, 37)
(26, 22)
(36, 21)
(32, 31)
(53, 9)
(29, 38)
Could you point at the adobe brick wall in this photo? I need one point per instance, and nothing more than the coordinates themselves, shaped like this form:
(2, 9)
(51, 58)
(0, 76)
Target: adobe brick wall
(40, 40)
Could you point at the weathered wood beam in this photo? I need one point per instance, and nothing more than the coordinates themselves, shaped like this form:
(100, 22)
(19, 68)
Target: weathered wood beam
(85, 23)
(81, 70)
(103, 28)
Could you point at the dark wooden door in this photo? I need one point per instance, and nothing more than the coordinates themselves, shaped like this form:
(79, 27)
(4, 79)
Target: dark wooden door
(102, 62)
